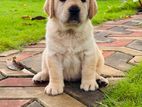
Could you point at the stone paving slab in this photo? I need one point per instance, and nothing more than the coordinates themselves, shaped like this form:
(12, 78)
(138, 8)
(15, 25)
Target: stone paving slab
(63, 100)
(132, 23)
(10, 73)
(119, 61)
(13, 103)
(123, 50)
(126, 26)
(24, 55)
(88, 98)
(107, 53)
(102, 27)
(20, 92)
(127, 38)
(3, 59)
(118, 43)
(121, 44)
(3, 65)
(134, 34)
(34, 104)
(138, 30)
(1, 76)
(136, 60)
(36, 66)
(102, 37)
(112, 32)
(33, 49)
(16, 82)
(112, 72)
(136, 44)
(7, 53)
(120, 29)
(37, 92)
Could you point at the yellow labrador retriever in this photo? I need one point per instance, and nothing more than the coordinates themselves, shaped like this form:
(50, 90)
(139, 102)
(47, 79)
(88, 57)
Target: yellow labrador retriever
(71, 52)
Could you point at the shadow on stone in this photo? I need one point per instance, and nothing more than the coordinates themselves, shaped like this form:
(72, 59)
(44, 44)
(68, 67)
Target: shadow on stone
(89, 98)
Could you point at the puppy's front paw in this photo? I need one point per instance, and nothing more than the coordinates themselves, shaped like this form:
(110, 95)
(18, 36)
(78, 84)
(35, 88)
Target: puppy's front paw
(103, 82)
(40, 77)
(54, 89)
(89, 85)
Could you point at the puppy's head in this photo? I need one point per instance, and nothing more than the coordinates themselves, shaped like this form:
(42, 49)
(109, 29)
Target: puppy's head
(71, 12)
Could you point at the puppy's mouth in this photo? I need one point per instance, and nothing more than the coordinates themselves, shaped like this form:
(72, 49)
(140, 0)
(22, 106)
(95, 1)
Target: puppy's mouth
(74, 20)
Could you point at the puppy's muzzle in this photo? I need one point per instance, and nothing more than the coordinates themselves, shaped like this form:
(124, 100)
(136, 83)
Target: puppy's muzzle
(74, 14)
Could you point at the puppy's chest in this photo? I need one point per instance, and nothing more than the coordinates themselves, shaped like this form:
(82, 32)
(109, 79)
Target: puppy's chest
(71, 45)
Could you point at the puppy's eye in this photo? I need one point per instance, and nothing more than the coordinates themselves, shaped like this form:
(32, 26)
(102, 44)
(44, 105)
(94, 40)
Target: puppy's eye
(83, 1)
(62, 0)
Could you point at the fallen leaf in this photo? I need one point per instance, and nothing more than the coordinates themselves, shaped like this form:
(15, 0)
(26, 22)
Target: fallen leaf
(12, 64)
(38, 18)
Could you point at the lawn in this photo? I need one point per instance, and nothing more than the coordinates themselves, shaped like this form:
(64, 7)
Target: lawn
(114, 9)
(126, 93)
(16, 32)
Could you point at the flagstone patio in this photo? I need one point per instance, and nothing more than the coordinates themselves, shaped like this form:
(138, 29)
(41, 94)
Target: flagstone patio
(121, 42)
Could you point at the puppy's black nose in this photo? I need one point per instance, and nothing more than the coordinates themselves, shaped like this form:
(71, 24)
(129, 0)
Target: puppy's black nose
(74, 10)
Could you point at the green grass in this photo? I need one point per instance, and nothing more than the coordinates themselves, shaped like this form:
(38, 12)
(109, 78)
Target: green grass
(126, 93)
(114, 9)
(16, 32)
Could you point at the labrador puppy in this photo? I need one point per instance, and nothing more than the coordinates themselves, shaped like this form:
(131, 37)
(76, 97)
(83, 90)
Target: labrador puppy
(71, 52)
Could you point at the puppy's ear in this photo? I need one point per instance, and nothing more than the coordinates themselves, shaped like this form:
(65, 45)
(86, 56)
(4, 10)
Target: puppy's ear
(92, 8)
(49, 7)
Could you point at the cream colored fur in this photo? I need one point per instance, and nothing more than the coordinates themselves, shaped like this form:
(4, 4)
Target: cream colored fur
(71, 52)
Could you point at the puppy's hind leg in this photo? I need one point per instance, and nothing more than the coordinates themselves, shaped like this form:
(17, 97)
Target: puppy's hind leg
(100, 79)
(43, 75)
